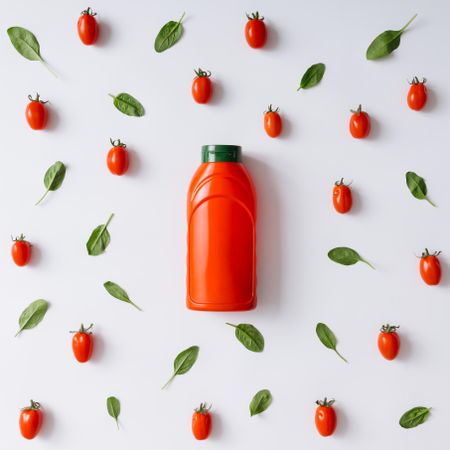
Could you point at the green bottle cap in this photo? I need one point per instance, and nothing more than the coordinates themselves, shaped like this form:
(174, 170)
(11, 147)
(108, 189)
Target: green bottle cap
(221, 153)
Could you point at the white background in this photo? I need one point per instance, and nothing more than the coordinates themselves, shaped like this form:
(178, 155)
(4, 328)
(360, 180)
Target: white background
(297, 285)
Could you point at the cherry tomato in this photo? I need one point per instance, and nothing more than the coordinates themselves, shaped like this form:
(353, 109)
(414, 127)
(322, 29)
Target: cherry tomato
(30, 420)
(430, 268)
(117, 159)
(417, 94)
(325, 417)
(255, 30)
(201, 422)
(202, 86)
(359, 123)
(272, 122)
(21, 251)
(88, 27)
(36, 113)
(389, 341)
(342, 197)
(83, 343)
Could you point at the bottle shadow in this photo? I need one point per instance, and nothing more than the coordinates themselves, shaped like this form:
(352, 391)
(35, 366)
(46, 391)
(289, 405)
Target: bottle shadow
(268, 234)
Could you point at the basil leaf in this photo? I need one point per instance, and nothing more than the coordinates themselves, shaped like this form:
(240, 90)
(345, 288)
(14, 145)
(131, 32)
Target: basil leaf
(113, 406)
(32, 315)
(417, 187)
(99, 239)
(386, 42)
(183, 362)
(312, 76)
(169, 35)
(25, 42)
(346, 256)
(260, 402)
(117, 292)
(128, 105)
(249, 336)
(53, 178)
(328, 338)
(415, 416)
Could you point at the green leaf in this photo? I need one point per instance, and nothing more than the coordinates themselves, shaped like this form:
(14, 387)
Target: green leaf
(53, 178)
(328, 338)
(415, 416)
(386, 42)
(346, 256)
(117, 292)
(183, 362)
(260, 402)
(32, 315)
(312, 76)
(113, 406)
(169, 35)
(128, 105)
(417, 187)
(25, 42)
(249, 336)
(99, 239)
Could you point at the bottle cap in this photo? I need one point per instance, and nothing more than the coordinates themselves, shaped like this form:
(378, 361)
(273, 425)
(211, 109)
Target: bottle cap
(221, 153)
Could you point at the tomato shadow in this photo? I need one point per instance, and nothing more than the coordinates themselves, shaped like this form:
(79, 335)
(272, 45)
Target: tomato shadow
(375, 129)
(218, 93)
(53, 120)
(432, 101)
(36, 255)
(357, 205)
(48, 424)
(99, 348)
(217, 428)
(104, 35)
(135, 166)
(286, 132)
(268, 234)
(343, 422)
(406, 348)
(445, 277)
(273, 38)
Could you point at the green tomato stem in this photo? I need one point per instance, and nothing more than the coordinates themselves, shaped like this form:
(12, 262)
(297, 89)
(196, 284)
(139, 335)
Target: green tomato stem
(42, 198)
(408, 24)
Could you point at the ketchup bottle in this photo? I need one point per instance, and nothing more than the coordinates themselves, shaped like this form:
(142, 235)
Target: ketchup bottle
(221, 236)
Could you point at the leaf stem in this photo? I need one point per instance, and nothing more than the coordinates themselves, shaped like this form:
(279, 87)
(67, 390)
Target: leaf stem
(109, 220)
(340, 356)
(430, 202)
(47, 66)
(42, 198)
(112, 96)
(117, 422)
(231, 325)
(136, 306)
(368, 263)
(408, 24)
(184, 13)
(170, 379)
(17, 334)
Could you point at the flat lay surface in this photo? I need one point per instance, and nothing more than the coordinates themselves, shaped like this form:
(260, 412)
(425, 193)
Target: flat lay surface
(294, 175)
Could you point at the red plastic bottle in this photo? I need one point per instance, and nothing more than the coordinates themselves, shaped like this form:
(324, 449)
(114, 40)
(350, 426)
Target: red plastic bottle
(221, 236)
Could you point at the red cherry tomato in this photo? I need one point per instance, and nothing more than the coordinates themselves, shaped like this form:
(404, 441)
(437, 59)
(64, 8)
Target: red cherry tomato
(325, 417)
(389, 341)
(202, 86)
(430, 268)
(117, 159)
(21, 251)
(417, 94)
(30, 420)
(88, 27)
(342, 197)
(272, 122)
(201, 422)
(255, 30)
(83, 343)
(36, 113)
(359, 123)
